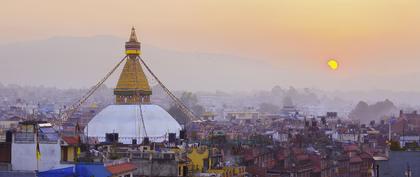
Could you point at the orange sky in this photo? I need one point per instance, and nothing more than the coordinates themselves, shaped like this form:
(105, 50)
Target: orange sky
(368, 37)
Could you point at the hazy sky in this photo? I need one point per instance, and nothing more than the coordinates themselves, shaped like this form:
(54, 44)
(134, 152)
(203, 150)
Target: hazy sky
(372, 39)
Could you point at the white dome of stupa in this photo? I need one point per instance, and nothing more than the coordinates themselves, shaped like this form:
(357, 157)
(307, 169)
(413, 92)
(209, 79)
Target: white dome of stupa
(126, 120)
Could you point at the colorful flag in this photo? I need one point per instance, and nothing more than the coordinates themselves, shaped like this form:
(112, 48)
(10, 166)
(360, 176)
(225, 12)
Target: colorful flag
(38, 152)
(78, 151)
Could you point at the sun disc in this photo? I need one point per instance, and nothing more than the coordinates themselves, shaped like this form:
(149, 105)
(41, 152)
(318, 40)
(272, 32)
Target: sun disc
(333, 64)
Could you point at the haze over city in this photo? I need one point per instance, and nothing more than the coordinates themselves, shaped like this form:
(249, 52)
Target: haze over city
(210, 88)
(252, 45)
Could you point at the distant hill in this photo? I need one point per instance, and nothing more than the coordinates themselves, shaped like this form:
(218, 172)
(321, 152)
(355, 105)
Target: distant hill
(79, 62)
(75, 62)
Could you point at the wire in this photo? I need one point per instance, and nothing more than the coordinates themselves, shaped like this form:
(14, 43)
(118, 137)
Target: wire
(74, 107)
(140, 101)
(142, 121)
(178, 102)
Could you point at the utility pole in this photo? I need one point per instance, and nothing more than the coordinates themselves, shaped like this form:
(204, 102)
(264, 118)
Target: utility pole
(151, 164)
(389, 131)
(408, 171)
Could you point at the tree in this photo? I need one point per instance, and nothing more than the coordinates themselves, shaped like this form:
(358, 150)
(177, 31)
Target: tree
(366, 113)
(198, 110)
(190, 100)
(277, 91)
(372, 123)
(287, 101)
(269, 108)
(323, 120)
(179, 116)
(395, 146)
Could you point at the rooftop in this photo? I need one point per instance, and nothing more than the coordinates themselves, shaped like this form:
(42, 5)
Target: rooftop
(121, 168)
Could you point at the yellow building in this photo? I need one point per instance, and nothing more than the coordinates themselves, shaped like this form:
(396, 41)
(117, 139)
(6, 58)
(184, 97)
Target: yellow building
(198, 157)
(70, 149)
(204, 160)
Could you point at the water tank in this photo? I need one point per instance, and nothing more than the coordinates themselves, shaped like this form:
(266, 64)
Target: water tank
(111, 137)
(172, 137)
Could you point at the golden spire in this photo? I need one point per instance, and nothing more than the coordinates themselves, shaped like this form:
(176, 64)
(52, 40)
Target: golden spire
(132, 46)
(132, 86)
(133, 36)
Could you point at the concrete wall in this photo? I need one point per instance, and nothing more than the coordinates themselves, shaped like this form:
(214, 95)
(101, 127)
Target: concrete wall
(24, 156)
(158, 167)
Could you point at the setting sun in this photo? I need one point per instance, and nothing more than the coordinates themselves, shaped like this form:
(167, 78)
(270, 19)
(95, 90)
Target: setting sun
(333, 64)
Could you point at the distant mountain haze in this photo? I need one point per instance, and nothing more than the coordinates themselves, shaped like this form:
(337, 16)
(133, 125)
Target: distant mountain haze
(79, 62)
(74, 62)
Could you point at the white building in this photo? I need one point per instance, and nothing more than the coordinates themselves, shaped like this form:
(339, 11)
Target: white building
(348, 137)
(409, 139)
(24, 147)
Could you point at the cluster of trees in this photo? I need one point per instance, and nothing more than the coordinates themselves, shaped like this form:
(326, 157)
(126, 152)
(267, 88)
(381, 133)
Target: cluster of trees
(286, 97)
(190, 100)
(374, 112)
(301, 97)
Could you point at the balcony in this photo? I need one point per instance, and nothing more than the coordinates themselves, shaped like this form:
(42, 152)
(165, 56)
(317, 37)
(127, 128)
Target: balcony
(24, 137)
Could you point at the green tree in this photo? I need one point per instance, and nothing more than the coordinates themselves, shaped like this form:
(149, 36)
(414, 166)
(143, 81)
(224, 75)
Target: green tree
(176, 113)
(191, 101)
(395, 146)
(269, 108)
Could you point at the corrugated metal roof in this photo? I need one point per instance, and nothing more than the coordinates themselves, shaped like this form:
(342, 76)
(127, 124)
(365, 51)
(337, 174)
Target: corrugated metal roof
(71, 140)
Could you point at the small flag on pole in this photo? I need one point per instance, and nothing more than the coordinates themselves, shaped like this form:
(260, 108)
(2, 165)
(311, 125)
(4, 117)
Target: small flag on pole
(38, 152)
(77, 128)
(78, 151)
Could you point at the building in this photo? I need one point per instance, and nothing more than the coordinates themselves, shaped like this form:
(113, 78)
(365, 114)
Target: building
(24, 147)
(347, 137)
(6, 125)
(133, 116)
(242, 117)
(407, 140)
(205, 161)
(122, 170)
(407, 123)
(398, 163)
(70, 149)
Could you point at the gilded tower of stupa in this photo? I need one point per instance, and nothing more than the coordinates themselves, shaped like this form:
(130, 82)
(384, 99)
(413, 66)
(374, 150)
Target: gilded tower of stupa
(132, 86)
